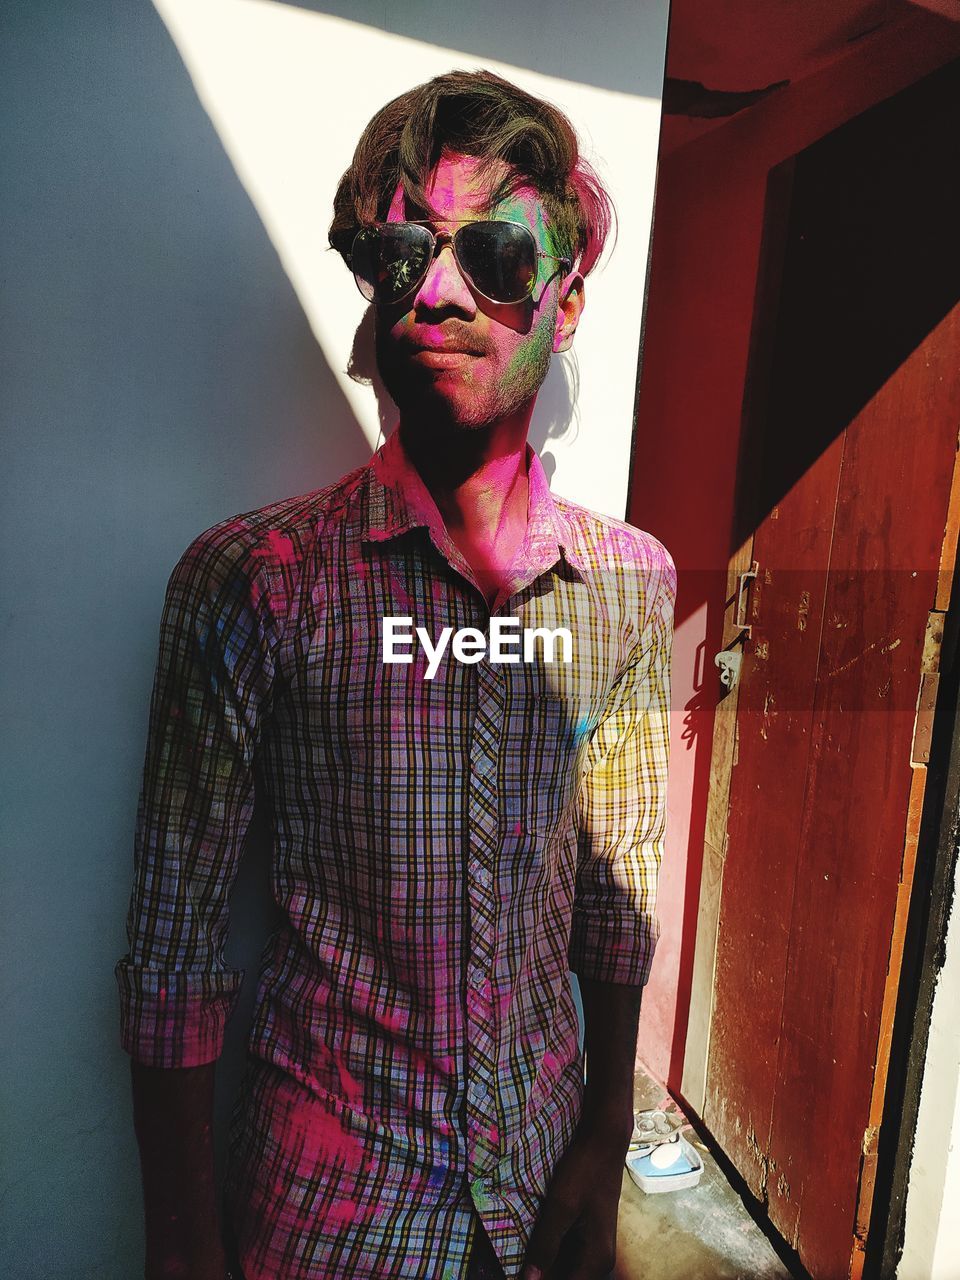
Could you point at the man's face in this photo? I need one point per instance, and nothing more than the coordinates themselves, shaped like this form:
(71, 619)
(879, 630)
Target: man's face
(446, 354)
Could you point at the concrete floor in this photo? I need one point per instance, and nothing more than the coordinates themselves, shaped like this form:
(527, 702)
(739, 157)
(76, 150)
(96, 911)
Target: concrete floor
(703, 1233)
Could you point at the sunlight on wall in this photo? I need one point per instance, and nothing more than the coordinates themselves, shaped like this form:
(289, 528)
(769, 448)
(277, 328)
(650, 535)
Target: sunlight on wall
(931, 1247)
(659, 1012)
(289, 92)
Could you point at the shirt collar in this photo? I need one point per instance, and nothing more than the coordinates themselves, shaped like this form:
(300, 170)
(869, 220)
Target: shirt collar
(398, 500)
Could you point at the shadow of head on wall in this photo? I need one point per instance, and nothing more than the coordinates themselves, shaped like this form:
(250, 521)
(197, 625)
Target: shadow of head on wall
(555, 417)
(362, 368)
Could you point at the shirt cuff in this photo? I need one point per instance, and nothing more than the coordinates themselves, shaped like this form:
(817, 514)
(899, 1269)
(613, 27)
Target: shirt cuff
(612, 949)
(174, 1019)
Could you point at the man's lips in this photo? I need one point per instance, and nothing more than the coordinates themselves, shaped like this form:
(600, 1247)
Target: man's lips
(442, 355)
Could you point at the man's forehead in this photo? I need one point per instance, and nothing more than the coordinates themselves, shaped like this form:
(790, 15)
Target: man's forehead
(460, 186)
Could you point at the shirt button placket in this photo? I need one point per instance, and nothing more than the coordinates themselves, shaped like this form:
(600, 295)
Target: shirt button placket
(483, 1120)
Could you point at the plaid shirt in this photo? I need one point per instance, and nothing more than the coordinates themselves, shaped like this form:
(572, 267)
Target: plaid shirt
(444, 849)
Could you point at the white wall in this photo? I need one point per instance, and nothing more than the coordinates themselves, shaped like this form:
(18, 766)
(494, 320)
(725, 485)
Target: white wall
(931, 1248)
(173, 340)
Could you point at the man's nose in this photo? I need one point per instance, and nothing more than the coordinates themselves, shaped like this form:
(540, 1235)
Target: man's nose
(444, 286)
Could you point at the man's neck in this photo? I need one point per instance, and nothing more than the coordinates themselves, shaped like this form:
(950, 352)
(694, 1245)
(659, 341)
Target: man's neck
(478, 480)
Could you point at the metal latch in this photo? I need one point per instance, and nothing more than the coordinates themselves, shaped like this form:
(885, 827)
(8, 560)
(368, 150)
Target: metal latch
(729, 661)
(740, 619)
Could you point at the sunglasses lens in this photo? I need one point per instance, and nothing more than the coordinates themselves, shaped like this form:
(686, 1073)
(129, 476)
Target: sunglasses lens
(499, 257)
(391, 260)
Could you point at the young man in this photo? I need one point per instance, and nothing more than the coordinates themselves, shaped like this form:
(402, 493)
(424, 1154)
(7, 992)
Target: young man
(451, 690)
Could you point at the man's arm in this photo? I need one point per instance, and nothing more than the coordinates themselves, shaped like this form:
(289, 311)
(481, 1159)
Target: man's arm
(173, 1120)
(212, 685)
(577, 1226)
(611, 1014)
(622, 822)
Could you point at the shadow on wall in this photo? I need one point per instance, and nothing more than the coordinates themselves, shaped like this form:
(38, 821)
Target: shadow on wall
(534, 38)
(897, 285)
(159, 376)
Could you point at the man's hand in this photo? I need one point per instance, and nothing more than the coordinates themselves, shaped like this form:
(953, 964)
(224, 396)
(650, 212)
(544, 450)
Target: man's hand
(575, 1237)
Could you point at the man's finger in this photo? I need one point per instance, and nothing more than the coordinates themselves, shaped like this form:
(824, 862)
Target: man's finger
(552, 1225)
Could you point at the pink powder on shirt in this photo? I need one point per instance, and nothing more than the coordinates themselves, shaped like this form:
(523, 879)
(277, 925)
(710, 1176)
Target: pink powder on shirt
(280, 547)
(324, 1139)
(351, 1090)
(341, 1213)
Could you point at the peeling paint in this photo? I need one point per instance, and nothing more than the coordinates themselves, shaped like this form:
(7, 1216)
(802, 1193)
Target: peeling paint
(803, 611)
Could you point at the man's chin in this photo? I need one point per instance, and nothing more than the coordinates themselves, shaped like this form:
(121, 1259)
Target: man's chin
(446, 402)
(431, 409)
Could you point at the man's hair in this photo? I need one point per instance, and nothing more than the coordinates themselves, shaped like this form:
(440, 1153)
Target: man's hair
(478, 114)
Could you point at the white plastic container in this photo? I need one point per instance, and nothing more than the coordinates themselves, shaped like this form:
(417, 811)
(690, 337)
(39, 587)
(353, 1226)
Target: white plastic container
(665, 1166)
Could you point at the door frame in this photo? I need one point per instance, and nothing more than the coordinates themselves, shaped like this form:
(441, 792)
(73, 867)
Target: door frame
(923, 954)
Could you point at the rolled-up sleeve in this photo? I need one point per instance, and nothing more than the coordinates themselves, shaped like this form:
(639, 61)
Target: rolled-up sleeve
(622, 809)
(210, 695)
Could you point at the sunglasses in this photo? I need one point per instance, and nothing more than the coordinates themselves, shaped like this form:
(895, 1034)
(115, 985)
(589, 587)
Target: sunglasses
(499, 259)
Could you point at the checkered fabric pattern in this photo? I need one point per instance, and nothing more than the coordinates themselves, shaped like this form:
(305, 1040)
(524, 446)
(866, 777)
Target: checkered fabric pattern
(443, 851)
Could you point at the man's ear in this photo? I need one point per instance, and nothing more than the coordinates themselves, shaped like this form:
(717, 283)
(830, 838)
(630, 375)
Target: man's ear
(569, 307)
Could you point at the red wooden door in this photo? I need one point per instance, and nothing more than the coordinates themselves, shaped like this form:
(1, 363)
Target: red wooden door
(846, 481)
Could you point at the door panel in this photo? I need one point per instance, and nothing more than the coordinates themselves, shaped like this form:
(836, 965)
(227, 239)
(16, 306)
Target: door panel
(854, 457)
(774, 733)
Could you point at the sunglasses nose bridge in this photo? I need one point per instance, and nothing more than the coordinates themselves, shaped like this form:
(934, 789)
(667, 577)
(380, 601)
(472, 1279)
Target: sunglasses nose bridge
(445, 280)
